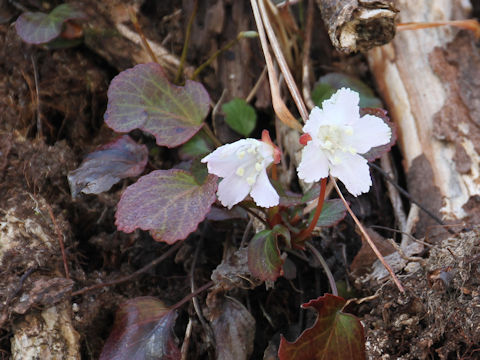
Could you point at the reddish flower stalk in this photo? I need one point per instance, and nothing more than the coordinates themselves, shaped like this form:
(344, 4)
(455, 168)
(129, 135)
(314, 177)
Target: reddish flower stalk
(321, 198)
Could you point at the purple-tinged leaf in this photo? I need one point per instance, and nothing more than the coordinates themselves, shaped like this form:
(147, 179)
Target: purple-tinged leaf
(143, 98)
(335, 334)
(143, 329)
(377, 152)
(333, 211)
(106, 166)
(222, 213)
(168, 203)
(288, 198)
(264, 258)
(40, 28)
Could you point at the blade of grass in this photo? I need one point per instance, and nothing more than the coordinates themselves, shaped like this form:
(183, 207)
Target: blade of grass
(279, 106)
(289, 80)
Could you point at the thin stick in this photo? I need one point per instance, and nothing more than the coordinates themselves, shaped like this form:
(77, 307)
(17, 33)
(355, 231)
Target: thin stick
(60, 240)
(246, 232)
(393, 193)
(292, 86)
(138, 29)
(206, 129)
(469, 24)
(202, 67)
(251, 212)
(183, 57)
(37, 94)
(306, 56)
(406, 194)
(400, 232)
(369, 240)
(324, 264)
(196, 304)
(255, 88)
(152, 264)
(193, 294)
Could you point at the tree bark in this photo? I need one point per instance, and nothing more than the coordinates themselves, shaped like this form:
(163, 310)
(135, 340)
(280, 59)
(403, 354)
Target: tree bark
(358, 25)
(428, 79)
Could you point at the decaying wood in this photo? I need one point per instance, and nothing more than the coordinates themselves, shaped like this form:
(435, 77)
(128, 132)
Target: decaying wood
(358, 25)
(429, 80)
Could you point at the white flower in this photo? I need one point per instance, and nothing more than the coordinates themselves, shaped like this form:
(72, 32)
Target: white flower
(336, 137)
(242, 165)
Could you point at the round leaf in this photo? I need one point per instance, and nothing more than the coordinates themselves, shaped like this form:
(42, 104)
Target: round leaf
(169, 203)
(40, 28)
(328, 84)
(240, 116)
(143, 98)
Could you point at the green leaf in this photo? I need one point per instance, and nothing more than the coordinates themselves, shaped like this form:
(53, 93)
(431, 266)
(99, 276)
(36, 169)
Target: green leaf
(321, 92)
(328, 84)
(40, 28)
(333, 211)
(143, 98)
(143, 329)
(168, 203)
(264, 258)
(240, 116)
(335, 334)
(199, 171)
(198, 145)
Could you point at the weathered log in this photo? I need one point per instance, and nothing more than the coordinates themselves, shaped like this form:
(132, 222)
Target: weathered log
(428, 79)
(358, 25)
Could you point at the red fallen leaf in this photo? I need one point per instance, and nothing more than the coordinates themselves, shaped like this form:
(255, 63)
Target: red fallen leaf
(335, 334)
(106, 166)
(169, 203)
(143, 329)
(40, 28)
(143, 98)
(378, 151)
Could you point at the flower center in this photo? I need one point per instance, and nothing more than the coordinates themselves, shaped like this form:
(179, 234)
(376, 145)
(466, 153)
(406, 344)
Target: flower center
(252, 163)
(333, 138)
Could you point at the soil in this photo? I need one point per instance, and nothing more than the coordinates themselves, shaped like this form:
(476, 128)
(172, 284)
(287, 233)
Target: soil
(45, 136)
